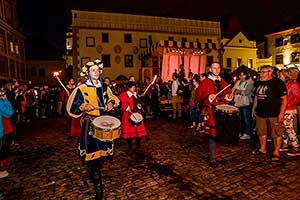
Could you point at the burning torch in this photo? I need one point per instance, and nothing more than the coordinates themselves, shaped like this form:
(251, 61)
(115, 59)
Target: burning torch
(56, 75)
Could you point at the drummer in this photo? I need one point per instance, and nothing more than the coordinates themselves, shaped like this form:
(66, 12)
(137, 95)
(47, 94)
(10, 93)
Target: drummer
(130, 129)
(90, 100)
(207, 94)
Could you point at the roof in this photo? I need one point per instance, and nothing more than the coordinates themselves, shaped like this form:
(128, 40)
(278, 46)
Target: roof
(243, 68)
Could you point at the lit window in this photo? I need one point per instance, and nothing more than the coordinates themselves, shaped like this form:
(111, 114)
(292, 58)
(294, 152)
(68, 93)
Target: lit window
(11, 47)
(128, 60)
(17, 49)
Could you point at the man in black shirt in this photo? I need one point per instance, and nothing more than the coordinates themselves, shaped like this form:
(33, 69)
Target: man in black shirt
(270, 101)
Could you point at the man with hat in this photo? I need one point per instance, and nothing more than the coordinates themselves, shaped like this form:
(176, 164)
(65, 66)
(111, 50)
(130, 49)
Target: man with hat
(90, 100)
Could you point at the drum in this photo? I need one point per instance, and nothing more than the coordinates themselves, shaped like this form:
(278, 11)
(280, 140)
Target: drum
(106, 128)
(227, 109)
(136, 119)
(227, 124)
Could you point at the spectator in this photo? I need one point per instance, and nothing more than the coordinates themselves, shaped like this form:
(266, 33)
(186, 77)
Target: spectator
(269, 104)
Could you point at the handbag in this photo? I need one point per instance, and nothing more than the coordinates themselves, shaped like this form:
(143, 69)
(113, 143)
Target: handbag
(241, 100)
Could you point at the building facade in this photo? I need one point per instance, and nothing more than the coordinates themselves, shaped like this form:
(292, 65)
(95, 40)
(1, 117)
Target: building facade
(12, 47)
(239, 51)
(122, 41)
(284, 47)
(41, 72)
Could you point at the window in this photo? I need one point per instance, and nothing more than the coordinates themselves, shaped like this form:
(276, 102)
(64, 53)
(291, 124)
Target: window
(228, 62)
(106, 60)
(90, 42)
(127, 38)
(33, 71)
(18, 69)
(250, 63)
(2, 41)
(10, 44)
(279, 59)
(23, 72)
(128, 60)
(1, 13)
(84, 60)
(105, 37)
(143, 43)
(209, 60)
(8, 12)
(239, 62)
(278, 42)
(3, 64)
(295, 38)
(21, 49)
(42, 72)
(295, 56)
(12, 69)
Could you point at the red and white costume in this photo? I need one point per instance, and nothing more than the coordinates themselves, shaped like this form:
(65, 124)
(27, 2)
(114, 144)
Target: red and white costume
(207, 87)
(129, 130)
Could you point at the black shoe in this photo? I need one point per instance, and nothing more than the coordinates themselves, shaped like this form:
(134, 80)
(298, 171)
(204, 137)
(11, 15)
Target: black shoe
(213, 164)
(221, 161)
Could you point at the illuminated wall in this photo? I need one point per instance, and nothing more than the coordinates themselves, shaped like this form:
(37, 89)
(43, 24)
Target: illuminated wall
(125, 38)
(239, 51)
(284, 47)
(12, 48)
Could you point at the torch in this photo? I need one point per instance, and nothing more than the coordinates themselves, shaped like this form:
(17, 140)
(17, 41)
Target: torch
(56, 75)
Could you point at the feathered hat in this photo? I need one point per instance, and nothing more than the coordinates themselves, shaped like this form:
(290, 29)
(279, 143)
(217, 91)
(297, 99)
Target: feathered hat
(86, 68)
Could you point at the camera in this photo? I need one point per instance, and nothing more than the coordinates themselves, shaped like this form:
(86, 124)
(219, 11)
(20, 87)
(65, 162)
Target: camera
(2, 92)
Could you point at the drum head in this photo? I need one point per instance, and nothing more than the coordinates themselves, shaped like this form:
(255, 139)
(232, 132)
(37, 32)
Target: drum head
(228, 108)
(106, 122)
(136, 117)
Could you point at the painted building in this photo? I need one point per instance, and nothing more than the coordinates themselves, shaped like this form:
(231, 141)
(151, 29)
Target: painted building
(284, 47)
(122, 41)
(239, 51)
(12, 48)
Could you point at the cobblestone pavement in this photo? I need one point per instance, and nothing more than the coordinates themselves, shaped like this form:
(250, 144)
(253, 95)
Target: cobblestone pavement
(174, 166)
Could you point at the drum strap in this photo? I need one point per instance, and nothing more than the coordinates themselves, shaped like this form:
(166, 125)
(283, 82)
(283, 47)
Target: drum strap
(98, 154)
(87, 123)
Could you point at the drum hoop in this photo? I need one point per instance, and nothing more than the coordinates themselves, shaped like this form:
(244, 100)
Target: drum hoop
(142, 118)
(220, 108)
(96, 126)
(106, 129)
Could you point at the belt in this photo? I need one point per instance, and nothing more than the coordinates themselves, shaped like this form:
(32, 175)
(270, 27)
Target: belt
(96, 154)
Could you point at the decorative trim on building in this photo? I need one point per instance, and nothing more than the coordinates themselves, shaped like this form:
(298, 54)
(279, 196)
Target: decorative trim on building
(129, 22)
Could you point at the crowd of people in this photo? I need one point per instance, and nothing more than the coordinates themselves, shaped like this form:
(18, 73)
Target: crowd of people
(266, 107)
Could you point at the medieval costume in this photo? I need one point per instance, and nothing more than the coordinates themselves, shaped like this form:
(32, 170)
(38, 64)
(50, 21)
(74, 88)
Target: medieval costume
(89, 101)
(210, 86)
(129, 106)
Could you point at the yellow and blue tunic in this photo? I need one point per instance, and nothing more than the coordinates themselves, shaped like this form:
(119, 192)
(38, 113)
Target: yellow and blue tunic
(91, 150)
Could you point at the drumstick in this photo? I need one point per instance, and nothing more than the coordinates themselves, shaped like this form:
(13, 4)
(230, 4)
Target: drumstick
(223, 90)
(99, 108)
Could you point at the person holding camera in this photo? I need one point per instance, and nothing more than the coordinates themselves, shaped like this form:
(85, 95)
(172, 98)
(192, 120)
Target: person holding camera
(7, 111)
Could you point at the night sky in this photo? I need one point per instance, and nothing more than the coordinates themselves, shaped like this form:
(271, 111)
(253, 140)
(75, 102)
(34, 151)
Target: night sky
(48, 19)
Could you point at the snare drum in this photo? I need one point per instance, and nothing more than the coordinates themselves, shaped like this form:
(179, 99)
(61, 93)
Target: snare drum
(136, 119)
(106, 128)
(227, 123)
(227, 109)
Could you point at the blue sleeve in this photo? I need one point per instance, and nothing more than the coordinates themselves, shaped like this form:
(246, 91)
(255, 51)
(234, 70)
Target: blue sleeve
(77, 102)
(6, 108)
